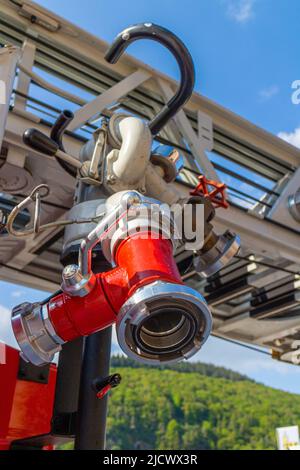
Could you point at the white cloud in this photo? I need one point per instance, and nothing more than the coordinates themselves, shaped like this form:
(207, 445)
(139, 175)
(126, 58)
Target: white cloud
(6, 333)
(240, 11)
(291, 137)
(268, 93)
(17, 293)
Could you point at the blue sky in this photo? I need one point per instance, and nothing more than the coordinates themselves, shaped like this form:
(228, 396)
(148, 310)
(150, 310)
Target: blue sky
(246, 52)
(246, 58)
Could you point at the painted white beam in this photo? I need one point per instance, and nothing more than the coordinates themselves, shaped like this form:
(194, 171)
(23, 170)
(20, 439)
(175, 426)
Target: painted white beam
(8, 61)
(232, 323)
(11, 275)
(23, 80)
(113, 94)
(198, 143)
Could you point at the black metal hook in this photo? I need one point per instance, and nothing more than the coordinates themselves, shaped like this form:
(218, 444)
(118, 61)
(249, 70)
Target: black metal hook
(49, 145)
(57, 132)
(181, 54)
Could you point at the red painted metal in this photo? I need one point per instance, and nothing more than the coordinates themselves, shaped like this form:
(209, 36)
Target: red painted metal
(103, 392)
(212, 190)
(8, 381)
(4, 444)
(147, 259)
(81, 316)
(25, 407)
(141, 258)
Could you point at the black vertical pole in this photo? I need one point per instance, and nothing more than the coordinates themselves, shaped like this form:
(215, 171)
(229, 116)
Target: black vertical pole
(86, 359)
(68, 377)
(67, 388)
(91, 418)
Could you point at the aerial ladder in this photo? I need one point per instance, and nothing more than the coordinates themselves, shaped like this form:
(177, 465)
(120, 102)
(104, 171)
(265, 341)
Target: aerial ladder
(129, 219)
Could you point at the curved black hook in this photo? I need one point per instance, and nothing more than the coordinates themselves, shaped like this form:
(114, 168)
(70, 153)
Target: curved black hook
(181, 54)
(49, 145)
(57, 132)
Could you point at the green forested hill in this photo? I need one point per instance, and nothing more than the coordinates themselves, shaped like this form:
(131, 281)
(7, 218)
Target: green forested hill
(205, 369)
(195, 407)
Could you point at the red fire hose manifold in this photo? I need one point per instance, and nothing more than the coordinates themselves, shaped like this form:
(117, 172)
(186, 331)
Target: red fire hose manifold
(158, 318)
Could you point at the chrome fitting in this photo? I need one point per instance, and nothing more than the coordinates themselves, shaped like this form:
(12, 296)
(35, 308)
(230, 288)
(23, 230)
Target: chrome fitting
(34, 333)
(163, 323)
(169, 160)
(142, 214)
(294, 205)
(74, 283)
(213, 258)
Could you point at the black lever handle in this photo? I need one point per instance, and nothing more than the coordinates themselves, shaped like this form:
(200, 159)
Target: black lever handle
(57, 133)
(49, 145)
(60, 126)
(179, 51)
(40, 142)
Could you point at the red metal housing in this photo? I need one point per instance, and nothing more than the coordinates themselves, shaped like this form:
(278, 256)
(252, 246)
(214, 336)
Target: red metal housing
(142, 259)
(26, 406)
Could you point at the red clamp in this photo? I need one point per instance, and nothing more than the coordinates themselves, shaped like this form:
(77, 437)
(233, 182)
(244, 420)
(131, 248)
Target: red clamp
(103, 386)
(104, 391)
(212, 190)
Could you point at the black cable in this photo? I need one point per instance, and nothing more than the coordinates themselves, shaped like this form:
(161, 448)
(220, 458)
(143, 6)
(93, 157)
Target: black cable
(242, 197)
(247, 346)
(250, 159)
(246, 147)
(46, 203)
(192, 186)
(113, 78)
(51, 108)
(267, 265)
(140, 92)
(233, 175)
(179, 147)
(164, 141)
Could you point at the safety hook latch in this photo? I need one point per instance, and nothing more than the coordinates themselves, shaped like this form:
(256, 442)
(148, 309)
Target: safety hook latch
(39, 192)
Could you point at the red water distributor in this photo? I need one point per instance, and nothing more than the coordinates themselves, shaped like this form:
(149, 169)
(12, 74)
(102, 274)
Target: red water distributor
(158, 318)
(140, 261)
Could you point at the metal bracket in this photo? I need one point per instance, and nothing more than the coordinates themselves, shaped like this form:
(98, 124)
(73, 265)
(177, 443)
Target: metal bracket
(90, 168)
(198, 143)
(32, 373)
